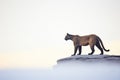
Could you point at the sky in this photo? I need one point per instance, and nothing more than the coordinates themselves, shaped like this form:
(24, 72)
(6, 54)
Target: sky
(32, 31)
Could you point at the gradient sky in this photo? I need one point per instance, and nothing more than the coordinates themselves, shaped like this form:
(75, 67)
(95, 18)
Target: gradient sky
(32, 31)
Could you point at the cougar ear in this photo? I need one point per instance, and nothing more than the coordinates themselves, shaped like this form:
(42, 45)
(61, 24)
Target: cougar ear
(67, 33)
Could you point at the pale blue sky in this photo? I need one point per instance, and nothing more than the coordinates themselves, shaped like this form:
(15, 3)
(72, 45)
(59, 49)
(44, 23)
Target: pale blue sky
(34, 30)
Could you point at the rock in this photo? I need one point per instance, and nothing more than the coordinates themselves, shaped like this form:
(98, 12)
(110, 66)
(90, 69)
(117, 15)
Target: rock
(88, 67)
(90, 59)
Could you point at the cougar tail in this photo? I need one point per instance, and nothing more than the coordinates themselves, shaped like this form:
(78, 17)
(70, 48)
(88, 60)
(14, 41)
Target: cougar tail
(102, 44)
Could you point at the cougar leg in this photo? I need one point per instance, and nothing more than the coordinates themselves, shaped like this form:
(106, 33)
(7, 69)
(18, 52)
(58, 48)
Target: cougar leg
(80, 48)
(92, 48)
(75, 50)
(100, 48)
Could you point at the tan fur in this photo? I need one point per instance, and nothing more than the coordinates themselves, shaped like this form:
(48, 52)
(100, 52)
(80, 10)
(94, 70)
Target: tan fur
(92, 40)
(84, 40)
